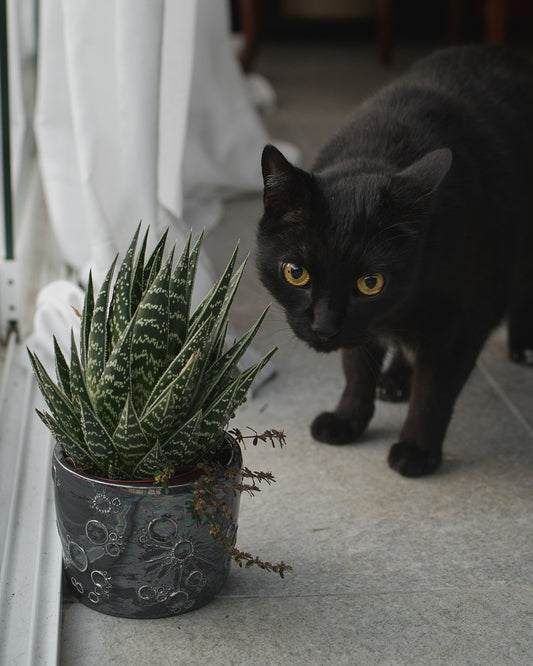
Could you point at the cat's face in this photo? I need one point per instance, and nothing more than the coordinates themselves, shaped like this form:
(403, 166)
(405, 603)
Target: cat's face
(337, 250)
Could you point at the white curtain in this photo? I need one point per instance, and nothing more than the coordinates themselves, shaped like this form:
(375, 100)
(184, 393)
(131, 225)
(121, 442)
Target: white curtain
(142, 113)
(140, 106)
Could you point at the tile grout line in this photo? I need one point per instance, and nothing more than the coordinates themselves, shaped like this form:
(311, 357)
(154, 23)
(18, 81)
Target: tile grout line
(507, 401)
(378, 593)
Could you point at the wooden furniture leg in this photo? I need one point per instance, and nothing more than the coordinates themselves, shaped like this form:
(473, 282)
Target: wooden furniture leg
(495, 17)
(384, 30)
(250, 13)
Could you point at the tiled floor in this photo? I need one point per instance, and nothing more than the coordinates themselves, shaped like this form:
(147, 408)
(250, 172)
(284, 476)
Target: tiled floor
(387, 570)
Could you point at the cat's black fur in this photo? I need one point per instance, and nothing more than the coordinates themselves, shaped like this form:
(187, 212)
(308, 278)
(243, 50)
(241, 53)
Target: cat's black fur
(431, 185)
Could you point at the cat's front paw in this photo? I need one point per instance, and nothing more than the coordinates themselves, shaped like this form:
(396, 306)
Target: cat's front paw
(330, 428)
(409, 460)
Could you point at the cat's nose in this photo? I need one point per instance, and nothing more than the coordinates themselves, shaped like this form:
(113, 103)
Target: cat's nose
(325, 333)
(325, 322)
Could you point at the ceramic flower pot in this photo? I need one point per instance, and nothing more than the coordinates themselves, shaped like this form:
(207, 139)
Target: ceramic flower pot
(133, 549)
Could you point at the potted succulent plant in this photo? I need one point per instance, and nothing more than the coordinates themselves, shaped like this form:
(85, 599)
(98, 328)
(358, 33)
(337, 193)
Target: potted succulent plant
(147, 480)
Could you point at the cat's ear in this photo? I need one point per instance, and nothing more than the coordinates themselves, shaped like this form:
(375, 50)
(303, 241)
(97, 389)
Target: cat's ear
(284, 183)
(275, 165)
(426, 174)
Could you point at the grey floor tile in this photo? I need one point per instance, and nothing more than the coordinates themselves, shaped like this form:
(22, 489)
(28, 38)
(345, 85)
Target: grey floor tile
(438, 628)
(514, 383)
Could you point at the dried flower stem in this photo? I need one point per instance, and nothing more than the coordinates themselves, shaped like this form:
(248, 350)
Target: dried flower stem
(208, 498)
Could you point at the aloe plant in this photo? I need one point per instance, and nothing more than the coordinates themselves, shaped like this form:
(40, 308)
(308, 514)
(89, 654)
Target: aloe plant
(151, 385)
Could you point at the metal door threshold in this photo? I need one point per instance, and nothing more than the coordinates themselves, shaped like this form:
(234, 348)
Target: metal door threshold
(30, 551)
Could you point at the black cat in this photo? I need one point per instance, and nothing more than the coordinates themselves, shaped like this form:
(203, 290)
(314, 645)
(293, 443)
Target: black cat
(414, 227)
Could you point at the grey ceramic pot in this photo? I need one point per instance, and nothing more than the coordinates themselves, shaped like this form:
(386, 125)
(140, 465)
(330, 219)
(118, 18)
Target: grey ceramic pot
(133, 549)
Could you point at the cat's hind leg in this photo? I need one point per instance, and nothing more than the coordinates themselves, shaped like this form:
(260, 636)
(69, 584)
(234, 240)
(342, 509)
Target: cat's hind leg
(395, 382)
(520, 310)
(361, 367)
(520, 325)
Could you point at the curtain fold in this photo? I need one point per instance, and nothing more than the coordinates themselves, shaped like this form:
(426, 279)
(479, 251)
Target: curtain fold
(141, 105)
(142, 113)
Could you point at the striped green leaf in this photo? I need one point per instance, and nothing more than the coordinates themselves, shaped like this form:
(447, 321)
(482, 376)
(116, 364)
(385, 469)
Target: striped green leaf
(97, 346)
(154, 461)
(181, 448)
(217, 415)
(161, 418)
(182, 384)
(170, 452)
(120, 311)
(130, 440)
(137, 286)
(194, 347)
(230, 293)
(114, 385)
(59, 404)
(216, 306)
(62, 369)
(170, 407)
(211, 305)
(86, 319)
(214, 419)
(153, 265)
(221, 323)
(218, 350)
(247, 378)
(179, 303)
(77, 381)
(100, 445)
(193, 262)
(183, 388)
(150, 337)
(216, 375)
(71, 448)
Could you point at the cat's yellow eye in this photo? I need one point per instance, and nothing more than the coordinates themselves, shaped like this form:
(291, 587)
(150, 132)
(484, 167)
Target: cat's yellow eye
(372, 284)
(296, 275)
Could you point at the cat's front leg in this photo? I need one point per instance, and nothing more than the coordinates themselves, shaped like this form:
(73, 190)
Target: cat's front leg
(361, 367)
(439, 374)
